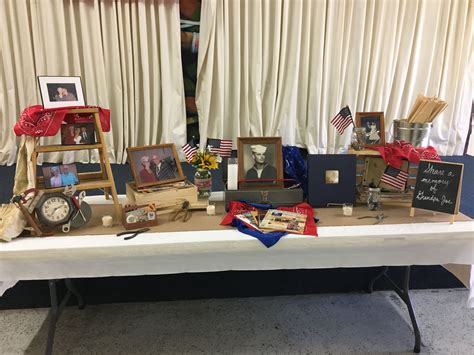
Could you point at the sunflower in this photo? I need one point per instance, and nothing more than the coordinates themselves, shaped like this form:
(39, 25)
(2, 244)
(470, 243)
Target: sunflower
(205, 160)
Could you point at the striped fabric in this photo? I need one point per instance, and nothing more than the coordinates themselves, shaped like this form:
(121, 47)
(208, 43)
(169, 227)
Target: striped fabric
(342, 120)
(394, 177)
(222, 147)
(189, 150)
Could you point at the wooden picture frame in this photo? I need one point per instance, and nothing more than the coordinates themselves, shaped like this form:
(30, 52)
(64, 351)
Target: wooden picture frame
(268, 152)
(61, 91)
(153, 165)
(373, 122)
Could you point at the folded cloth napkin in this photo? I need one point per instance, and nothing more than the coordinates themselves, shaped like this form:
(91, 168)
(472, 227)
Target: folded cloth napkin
(37, 121)
(394, 153)
(271, 238)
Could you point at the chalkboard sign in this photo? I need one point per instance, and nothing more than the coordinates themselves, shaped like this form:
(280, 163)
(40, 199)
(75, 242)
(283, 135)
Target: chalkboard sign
(438, 186)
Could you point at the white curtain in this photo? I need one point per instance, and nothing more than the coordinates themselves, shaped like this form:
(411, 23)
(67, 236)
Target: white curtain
(286, 67)
(126, 51)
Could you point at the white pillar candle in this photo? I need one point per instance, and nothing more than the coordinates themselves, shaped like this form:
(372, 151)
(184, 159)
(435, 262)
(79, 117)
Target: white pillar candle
(211, 210)
(107, 221)
(232, 174)
(347, 210)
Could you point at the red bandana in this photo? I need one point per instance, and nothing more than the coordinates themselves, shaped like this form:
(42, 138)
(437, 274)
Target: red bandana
(39, 122)
(394, 153)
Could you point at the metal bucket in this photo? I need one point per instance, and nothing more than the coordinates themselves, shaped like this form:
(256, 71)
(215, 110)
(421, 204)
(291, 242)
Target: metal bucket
(417, 134)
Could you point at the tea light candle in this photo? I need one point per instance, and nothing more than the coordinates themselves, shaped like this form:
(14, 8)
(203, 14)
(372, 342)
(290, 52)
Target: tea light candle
(347, 210)
(107, 221)
(211, 210)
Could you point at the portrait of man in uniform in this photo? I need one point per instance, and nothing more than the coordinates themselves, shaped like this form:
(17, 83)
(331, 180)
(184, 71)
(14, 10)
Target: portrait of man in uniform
(260, 162)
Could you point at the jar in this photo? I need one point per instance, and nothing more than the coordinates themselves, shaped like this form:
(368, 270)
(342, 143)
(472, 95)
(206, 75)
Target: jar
(373, 198)
(358, 138)
(203, 182)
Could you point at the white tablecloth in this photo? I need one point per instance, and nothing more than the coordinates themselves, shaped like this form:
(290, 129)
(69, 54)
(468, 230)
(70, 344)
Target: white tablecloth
(207, 251)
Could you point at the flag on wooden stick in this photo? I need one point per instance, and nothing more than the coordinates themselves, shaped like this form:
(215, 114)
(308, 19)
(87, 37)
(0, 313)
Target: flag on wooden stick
(394, 177)
(342, 120)
(190, 149)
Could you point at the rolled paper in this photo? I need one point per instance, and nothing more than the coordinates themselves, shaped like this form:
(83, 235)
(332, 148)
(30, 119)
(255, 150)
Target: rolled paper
(211, 210)
(107, 221)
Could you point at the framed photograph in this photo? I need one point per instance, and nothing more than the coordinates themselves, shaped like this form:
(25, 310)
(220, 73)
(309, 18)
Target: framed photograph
(60, 175)
(78, 133)
(61, 91)
(373, 122)
(155, 164)
(260, 162)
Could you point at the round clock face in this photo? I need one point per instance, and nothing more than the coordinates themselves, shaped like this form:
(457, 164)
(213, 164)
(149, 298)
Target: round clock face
(54, 209)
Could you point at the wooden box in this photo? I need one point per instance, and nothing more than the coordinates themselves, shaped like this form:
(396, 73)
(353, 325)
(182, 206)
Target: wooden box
(164, 196)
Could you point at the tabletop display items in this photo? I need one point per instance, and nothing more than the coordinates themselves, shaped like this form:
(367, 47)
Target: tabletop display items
(154, 165)
(204, 162)
(358, 138)
(260, 177)
(438, 187)
(373, 198)
(139, 216)
(63, 209)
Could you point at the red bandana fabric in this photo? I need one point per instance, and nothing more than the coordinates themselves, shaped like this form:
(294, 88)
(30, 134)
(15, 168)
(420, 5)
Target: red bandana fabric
(236, 207)
(37, 121)
(394, 153)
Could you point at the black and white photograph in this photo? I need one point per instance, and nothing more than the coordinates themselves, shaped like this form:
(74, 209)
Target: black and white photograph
(60, 175)
(260, 162)
(373, 123)
(78, 133)
(155, 164)
(61, 91)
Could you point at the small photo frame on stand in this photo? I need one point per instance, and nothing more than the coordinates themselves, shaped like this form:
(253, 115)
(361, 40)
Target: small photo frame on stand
(61, 91)
(373, 123)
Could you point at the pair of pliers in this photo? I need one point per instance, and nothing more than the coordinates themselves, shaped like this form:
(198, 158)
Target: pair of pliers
(133, 233)
(183, 213)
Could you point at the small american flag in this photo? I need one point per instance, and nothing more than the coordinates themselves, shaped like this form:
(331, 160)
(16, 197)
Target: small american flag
(190, 149)
(394, 177)
(342, 120)
(223, 147)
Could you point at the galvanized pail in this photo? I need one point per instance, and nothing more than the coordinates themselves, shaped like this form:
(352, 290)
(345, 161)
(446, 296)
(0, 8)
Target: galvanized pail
(417, 134)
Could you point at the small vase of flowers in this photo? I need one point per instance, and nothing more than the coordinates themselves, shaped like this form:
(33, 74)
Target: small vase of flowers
(204, 162)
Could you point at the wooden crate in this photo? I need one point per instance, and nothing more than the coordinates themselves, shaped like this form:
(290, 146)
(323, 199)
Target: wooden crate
(387, 196)
(169, 196)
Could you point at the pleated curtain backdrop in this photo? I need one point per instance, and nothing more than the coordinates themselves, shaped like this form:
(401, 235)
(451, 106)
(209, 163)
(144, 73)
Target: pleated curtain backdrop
(126, 51)
(286, 67)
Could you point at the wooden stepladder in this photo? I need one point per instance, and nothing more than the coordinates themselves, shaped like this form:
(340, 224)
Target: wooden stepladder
(102, 179)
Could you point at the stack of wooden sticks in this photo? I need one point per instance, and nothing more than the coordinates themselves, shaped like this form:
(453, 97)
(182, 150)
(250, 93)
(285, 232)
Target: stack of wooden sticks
(425, 109)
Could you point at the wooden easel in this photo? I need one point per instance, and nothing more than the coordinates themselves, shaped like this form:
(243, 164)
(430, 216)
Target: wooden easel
(102, 179)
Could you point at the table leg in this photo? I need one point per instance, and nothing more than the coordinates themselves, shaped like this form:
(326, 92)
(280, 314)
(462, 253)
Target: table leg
(55, 310)
(405, 297)
(382, 272)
